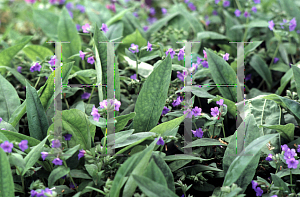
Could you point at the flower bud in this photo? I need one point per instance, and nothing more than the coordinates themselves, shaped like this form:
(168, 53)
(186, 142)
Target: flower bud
(225, 189)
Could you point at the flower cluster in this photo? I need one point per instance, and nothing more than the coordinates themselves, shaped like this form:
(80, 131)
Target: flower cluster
(292, 24)
(289, 156)
(7, 146)
(43, 192)
(36, 67)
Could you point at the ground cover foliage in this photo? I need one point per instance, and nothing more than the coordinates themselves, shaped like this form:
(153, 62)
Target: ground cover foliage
(150, 105)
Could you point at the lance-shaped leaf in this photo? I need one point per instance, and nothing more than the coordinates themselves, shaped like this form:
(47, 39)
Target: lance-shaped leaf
(278, 182)
(152, 98)
(37, 119)
(168, 126)
(286, 131)
(67, 32)
(9, 99)
(296, 73)
(242, 163)
(56, 174)
(6, 178)
(47, 21)
(33, 51)
(123, 120)
(222, 73)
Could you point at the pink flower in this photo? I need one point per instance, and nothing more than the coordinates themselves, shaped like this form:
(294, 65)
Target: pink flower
(91, 60)
(85, 28)
(205, 55)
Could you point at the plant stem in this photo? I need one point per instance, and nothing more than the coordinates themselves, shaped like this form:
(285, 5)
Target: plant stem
(137, 68)
(70, 176)
(223, 129)
(22, 179)
(275, 53)
(66, 103)
(91, 94)
(238, 4)
(195, 125)
(260, 84)
(291, 178)
(246, 30)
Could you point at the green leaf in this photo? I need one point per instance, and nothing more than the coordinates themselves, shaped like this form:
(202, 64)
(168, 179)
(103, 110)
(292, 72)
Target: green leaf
(278, 182)
(115, 31)
(167, 126)
(283, 54)
(204, 142)
(285, 79)
(222, 74)
(56, 174)
(153, 172)
(279, 66)
(123, 120)
(241, 162)
(231, 107)
(19, 76)
(151, 188)
(286, 131)
(70, 152)
(136, 38)
(191, 19)
(136, 164)
(164, 168)
(296, 73)
(152, 97)
(211, 35)
(117, 17)
(79, 174)
(251, 47)
(47, 21)
(7, 54)
(37, 119)
(254, 23)
(131, 55)
(7, 126)
(34, 155)
(6, 178)
(9, 99)
(67, 32)
(236, 34)
(17, 160)
(175, 165)
(134, 22)
(262, 69)
(291, 9)
(97, 12)
(76, 122)
(118, 137)
(134, 138)
(199, 92)
(47, 96)
(33, 51)
(183, 157)
(17, 114)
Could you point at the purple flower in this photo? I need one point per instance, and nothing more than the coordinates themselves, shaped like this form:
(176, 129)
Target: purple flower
(226, 56)
(237, 13)
(104, 27)
(85, 95)
(192, 6)
(226, 3)
(19, 69)
(64, 177)
(41, 194)
(36, 67)
(182, 75)
(248, 77)
(215, 12)
(274, 196)
(164, 10)
(298, 149)
(134, 48)
(44, 155)
(116, 103)
(194, 66)
(69, 5)
(151, 20)
(198, 133)
(78, 27)
(56, 144)
(284, 147)
(290, 153)
(269, 158)
(68, 137)
(254, 9)
(149, 46)
(205, 64)
(259, 191)
(176, 102)
(196, 111)
(95, 114)
(152, 11)
(57, 161)
(246, 14)
(254, 184)
(281, 24)
(81, 54)
(145, 28)
(165, 111)
(186, 1)
(199, 60)
(293, 24)
(103, 104)
(81, 153)
(1, 119)
(160, 141)
(3, 129)
(90, 60)
(256, 1)
(181, 54)
(6, 146)
(276, 59)
(133, 77)
(52, 60)
(33, 193)
(214, 111)
(271, 25)
(23, 145)
(217, 1)
(52, 1)
(81, 8)
(72, 186)
(189, 113)
(220, 102)
(135, 14)
(85, 28)
(171, 52)
(205, 55)
(207, 22)
(292, 163)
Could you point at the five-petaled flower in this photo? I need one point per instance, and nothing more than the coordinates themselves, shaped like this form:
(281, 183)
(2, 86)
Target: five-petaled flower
(182, 75)
(152, 11)
(7, 147)
(68, 137)
(91, 60)
(1, 119)
(104, 27)
(196, 111)
(181, 54)
(95, 114)
(192, 6)
(171, 52)
(293, 24)
(23, 145)
(85, 95)
(220, 102)
(292, 163)
(189, 113)
(226, 56)
(271, 25)
(237, 13)
(52, 60)
(81, 54)
(164, 10)
(85, 28)
(284, 147)
(160, 141)
(57, 161)
(149, 46)
(204, 64)
(81, 8)
(133, 77)
(81, 153)
(177, 101)
(56, 144)
(246, 14)
(36, 67)
(254, 9)
(226, 3)
(198, 133)
(19, 69)
(256, 1)
(134, 48)
(44, 155)
(165, 111)
(276, 59)
(269, 157)
(205, 55)
(214, 111)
